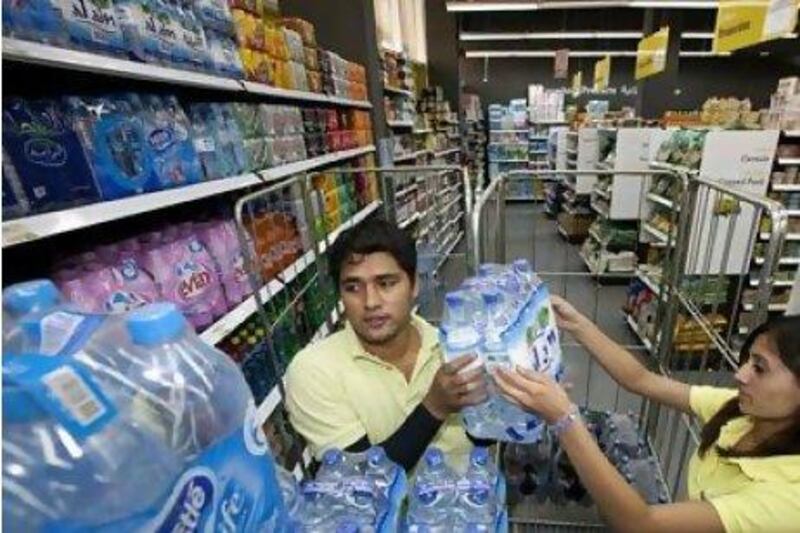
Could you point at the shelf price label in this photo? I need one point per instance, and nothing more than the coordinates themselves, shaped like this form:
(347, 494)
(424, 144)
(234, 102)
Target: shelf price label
(651, 54)
(602, 73)
(745, 23)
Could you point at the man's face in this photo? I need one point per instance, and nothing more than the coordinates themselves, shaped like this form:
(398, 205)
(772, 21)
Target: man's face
(378, 296)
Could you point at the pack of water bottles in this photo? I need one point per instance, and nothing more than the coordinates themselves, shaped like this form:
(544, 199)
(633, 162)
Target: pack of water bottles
(352, 492)
(126, 423)
(443, 500)
(504, 316)
(542, 471)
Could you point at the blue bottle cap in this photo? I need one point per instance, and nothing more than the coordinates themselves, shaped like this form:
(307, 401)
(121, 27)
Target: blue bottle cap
(479, 456)
(155, 324)
(376, 455)
(434, 457)
(453, 300)
(331, 457)
(522, 265)
(25, 297)
(491, 297)
(347, 526)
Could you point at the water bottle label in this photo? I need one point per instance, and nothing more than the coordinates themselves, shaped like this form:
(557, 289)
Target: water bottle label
(231, 487)
(63, 332)
(65, 390)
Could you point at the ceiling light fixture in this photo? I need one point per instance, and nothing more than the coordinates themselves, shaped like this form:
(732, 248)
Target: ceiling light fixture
(472, 54)
(578, 4)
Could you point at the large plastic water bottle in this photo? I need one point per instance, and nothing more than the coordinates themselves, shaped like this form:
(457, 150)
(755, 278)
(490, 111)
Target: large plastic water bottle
(71, 459)
(22, 299)
(433, 496)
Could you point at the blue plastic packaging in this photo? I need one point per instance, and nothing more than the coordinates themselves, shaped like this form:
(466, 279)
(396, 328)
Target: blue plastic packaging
(49, 163)
(114, 139)
(34, 20)
(204, 136)
(93, 26)
(166, 130)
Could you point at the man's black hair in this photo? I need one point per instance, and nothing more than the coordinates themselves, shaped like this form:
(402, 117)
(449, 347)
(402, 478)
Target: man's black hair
(373, 236)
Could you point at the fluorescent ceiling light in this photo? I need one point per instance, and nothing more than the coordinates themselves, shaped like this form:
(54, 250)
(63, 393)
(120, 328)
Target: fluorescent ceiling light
(551, 35)
(473, 54)
(585, 4)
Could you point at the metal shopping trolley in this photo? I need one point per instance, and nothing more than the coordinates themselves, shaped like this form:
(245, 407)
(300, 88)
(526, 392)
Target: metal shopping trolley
(687, 307)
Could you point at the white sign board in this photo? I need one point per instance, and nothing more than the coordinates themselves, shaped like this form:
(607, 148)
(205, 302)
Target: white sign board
(721, 239)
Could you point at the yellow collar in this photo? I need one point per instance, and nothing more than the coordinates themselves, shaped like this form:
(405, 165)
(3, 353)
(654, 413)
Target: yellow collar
(429, 340)
(781, 468)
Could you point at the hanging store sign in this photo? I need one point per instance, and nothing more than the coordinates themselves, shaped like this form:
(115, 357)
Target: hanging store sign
(602, 73)
(742, 23)
(651, 54)
(561, 64)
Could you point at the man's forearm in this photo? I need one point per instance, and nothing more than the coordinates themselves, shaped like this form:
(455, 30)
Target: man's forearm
(406, 445)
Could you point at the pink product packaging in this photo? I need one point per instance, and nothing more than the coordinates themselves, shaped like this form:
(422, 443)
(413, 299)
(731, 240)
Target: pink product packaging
(221, 240)
(100, 288)
(185, 274)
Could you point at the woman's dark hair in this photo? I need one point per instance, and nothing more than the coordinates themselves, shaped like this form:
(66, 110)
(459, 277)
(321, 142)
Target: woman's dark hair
(373, 236)
(784, 333)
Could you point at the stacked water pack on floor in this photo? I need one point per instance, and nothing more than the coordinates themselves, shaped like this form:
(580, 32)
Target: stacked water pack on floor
(441, 500)
(504, 316)
(126, 423)
(351, 493)
(543, 472)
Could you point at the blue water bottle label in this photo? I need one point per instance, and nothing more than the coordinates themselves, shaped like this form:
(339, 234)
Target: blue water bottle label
(64, 389)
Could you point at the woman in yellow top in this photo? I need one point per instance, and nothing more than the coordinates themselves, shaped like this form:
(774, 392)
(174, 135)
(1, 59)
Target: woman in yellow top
(745, 475)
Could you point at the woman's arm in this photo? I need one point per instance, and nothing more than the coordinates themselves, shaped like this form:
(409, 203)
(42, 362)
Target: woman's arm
(619, 362)
(623, 507)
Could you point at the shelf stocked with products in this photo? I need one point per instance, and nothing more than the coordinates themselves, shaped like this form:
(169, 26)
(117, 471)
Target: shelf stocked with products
(508, 138)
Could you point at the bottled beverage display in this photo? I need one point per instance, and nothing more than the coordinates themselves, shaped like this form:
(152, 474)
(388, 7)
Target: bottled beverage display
(63, 152)
(363, 491)
(442, 500)
(504, 316)
(135, 424)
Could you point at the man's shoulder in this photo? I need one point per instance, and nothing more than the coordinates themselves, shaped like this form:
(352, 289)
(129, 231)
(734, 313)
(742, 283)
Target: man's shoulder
(322, 357)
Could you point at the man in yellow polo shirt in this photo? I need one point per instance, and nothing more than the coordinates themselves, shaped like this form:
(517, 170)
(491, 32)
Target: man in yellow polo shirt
(381, 380)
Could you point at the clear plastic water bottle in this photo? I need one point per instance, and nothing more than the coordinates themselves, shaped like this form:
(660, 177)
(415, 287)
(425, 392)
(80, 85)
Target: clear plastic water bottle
(386, 475)
(71, 459)
(22, 299)
(477, 495)
(433, 496)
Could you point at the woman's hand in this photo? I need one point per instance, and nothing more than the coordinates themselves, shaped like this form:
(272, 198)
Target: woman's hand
(567, 317)
(534, 392)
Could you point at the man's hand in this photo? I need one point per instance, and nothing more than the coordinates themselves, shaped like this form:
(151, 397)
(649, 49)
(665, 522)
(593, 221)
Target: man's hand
(454, 388)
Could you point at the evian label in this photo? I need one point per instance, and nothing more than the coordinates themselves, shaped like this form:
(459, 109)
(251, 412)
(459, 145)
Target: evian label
(190, 506)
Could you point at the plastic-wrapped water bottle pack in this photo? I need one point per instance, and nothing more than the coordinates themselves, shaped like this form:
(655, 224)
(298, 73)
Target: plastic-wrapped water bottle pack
(543, 472)
(352, 492)
(441, 500)
(126, 423)
(504, 316)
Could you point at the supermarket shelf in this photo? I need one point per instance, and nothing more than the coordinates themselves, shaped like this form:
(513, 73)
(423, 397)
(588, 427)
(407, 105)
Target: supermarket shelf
(549, 122)
(786, 187)
(594, 235)
(508, 160)
(48, 224)
(233, 319)
(791, 133)
(570, 151)
(793, 212)
(397, 90)
(659, 165)
(446, 152)
(411, 156)
(410, 220)
(781, 261)
(775, 283)
(521, 199)
(789, 236)
(770, 307)
(357, 219)
(538, 152)
(562, 232)
(514, 143)
(538, 137)
(236, 316)
(601, 193)
(663, 237)
(602, 211)
(572, 134)
(400, 123)
(647, 280)
(602, 165)
(570, 185)
(448, 250)
(635, 327)
(405, 191)
(572, 211)
(508, 131)
(450, 203)
(789, 161)
(76, 60)
(423, 131)
(657, 199)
